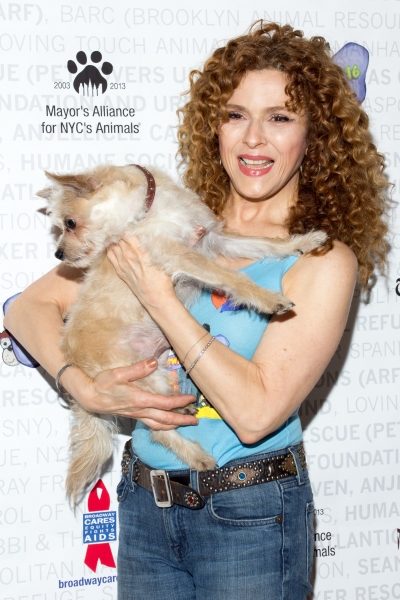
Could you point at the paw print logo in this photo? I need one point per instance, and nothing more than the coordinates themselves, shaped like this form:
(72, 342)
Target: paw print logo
(90, 78)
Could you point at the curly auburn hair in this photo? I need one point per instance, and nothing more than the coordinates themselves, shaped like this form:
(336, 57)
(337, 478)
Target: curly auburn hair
(341, 185)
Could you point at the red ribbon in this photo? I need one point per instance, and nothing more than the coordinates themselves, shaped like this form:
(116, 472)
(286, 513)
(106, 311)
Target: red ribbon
(99, 501)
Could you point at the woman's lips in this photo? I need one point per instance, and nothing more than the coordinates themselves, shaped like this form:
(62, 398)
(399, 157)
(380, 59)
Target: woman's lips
(255, 166)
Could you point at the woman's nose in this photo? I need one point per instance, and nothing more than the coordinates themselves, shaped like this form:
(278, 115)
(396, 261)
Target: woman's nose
(254, 134)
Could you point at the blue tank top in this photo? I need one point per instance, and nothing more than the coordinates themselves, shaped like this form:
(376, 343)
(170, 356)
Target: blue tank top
(241, 330)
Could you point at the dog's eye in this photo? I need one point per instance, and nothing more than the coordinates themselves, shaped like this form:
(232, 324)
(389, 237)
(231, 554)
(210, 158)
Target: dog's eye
(70, 223)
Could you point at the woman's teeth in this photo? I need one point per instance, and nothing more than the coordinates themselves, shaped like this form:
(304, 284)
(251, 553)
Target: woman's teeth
(262, 164)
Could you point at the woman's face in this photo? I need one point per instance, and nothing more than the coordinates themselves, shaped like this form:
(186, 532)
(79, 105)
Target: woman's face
(263, 144)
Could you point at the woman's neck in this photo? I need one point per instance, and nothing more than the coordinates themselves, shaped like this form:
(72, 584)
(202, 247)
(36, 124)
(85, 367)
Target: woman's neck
(255, 218)
(252, 219)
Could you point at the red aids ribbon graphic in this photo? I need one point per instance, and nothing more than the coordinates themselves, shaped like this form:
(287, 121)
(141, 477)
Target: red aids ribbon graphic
(99, 499)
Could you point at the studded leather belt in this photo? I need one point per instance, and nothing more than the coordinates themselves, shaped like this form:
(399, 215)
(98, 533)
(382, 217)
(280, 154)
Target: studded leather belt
(169, 489)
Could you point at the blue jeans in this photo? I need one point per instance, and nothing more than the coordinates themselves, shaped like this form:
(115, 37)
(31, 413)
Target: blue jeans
(252, 543)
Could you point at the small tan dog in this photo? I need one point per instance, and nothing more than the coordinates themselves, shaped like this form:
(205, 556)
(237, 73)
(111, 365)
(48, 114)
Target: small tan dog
(107, 327)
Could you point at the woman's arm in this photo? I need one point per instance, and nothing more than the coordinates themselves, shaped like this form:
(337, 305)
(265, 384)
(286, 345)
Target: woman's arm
(35, 318)
(291, 356)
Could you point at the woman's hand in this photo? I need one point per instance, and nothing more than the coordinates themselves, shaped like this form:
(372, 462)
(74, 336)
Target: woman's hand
(133, 266)
(112, 392)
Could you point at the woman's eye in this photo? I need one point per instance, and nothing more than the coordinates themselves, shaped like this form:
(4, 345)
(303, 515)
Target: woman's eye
(280, 118)
(234, 115)
(70, 223)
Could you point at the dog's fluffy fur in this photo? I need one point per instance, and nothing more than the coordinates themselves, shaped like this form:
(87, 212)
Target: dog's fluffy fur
(108, 327)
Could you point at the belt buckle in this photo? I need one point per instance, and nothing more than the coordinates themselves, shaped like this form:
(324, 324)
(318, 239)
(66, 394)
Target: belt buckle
(161, 473)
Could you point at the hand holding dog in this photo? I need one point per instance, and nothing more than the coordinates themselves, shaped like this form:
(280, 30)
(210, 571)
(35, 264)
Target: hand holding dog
(151, 286)
(133, 266)
(112, 392)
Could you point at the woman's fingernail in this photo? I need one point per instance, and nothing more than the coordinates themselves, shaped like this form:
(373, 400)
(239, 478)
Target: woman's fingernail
(152, 362)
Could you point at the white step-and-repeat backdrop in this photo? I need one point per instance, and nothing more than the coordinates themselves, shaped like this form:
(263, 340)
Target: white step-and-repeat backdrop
(140, 54)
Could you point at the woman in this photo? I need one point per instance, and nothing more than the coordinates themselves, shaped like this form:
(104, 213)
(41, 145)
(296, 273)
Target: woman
(275, 143)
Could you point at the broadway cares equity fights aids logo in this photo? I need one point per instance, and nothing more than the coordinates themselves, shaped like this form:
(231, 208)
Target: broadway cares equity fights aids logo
(99, 528)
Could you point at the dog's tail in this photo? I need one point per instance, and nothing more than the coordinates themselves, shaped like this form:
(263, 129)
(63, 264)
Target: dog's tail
(91, 445)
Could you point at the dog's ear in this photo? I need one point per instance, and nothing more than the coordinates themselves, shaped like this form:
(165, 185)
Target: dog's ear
(94, 183)
(45, 193)
(80, 184)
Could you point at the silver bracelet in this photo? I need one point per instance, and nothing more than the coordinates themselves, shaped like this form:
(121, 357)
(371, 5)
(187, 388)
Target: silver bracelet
(196, 360)
(203, 336)
(60, 389)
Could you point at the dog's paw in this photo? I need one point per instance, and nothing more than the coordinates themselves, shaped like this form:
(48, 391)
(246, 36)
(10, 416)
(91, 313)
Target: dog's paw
(190, 409)
(271, 303)
(283, 307)
(309, 241)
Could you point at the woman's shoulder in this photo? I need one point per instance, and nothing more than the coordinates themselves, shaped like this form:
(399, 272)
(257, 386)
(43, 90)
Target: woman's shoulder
(337, 267)
(340, 256)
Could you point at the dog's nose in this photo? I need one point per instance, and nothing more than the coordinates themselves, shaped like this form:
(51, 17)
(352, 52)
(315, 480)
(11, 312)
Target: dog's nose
(59, 254)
